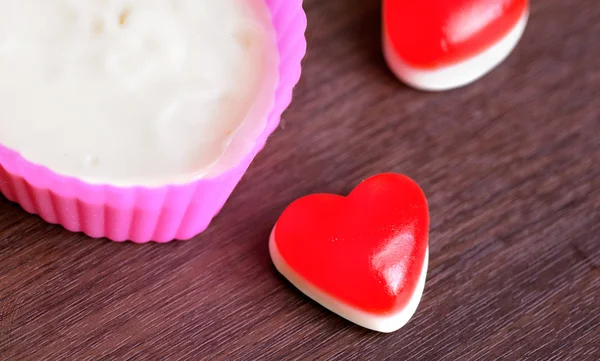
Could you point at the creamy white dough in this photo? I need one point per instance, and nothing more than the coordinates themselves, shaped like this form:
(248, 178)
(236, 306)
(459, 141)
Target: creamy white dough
(385, 323)
(457, 75)
(135, 92)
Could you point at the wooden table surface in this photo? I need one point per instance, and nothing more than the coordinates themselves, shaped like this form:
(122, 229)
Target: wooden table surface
(511, 167)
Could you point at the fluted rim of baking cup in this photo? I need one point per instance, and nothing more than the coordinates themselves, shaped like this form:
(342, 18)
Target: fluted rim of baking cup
(289, 21)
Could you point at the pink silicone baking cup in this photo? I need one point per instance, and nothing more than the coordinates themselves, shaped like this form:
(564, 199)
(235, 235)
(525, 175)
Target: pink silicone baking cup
(160, 214)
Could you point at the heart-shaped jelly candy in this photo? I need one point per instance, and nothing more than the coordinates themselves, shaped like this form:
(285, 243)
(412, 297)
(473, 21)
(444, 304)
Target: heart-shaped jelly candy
(444, 44)
(364, 256)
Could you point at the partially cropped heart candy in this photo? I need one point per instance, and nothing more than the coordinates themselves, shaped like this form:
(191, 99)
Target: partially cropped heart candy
(445, 44)
(364, 256)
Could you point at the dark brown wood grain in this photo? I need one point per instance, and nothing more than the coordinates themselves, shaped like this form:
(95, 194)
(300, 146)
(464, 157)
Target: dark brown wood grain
(511, 167)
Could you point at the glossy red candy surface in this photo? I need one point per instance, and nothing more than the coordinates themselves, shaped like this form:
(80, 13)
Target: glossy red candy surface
(429, 34)
(366, 250)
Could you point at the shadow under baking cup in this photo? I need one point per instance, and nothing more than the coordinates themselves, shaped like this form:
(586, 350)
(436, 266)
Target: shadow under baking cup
(161, 214)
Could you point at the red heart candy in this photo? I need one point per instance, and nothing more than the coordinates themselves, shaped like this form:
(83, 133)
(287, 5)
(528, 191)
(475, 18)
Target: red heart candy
(431, 34)
(363, 256)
